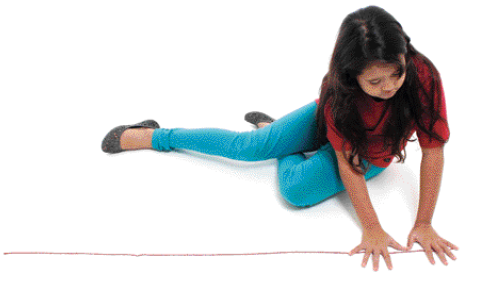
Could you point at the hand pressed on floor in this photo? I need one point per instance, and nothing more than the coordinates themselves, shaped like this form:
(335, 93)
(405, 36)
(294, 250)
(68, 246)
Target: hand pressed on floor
(426, 236)
(375, 243)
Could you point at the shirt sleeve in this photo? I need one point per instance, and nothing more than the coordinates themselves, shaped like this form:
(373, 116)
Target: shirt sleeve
(440, 127)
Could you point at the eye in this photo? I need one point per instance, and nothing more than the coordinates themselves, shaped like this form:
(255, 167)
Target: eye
(375, 82)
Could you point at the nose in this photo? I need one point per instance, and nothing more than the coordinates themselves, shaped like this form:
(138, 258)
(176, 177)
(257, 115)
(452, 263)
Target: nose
(389, 87)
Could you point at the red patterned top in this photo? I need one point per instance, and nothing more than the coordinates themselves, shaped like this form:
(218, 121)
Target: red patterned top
(372, 111)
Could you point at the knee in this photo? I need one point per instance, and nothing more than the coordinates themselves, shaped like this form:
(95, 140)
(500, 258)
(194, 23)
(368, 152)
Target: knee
(294, 191)
(295, 195)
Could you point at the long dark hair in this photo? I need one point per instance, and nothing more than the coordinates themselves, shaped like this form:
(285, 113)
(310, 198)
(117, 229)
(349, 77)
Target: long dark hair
(367, 35)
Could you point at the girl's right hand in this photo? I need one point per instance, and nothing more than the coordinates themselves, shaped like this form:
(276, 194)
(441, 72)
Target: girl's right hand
(376, 242)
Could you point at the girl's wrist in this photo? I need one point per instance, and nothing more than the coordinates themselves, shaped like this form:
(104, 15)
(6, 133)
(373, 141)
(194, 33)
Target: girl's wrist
(372, 228)
(422, 223)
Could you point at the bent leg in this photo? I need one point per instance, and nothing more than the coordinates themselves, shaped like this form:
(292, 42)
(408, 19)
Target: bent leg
(295, 132)
(305, 182)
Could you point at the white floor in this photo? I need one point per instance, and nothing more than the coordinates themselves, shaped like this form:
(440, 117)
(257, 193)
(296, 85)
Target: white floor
(71, 72)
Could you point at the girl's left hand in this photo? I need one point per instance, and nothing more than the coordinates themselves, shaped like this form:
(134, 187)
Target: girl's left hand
(426, 236)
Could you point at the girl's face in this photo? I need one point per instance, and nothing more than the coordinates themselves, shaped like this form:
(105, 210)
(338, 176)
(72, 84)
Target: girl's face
(380, 79)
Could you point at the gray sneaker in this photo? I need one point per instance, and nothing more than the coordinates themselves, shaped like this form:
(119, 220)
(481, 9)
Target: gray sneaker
(256, 117)
(111, 143)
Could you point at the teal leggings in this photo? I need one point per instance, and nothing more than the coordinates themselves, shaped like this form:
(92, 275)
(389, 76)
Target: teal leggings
(303, 181)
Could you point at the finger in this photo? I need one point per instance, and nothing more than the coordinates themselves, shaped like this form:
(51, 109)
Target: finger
(375, 260)
(429, 253)
(386, 256)
(366, 257)
(355, 250)
(440, 252)
(448, 252)
(410, 242)
(395, 245)
(449, 244)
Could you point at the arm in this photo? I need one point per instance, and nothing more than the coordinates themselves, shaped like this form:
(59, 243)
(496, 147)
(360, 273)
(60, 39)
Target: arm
(432, 165)
(356, 187)
(375, 240)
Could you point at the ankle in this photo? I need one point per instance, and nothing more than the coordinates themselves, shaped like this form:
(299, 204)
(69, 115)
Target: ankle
(136, 138)
(263, 124)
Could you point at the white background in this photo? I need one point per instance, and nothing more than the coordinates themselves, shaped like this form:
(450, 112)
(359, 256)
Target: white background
(72, 70)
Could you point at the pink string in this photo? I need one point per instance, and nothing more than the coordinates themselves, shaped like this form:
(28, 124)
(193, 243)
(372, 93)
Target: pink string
(199, 255)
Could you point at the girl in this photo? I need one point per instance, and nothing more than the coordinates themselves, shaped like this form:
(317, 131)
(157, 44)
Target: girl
(378, 91)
